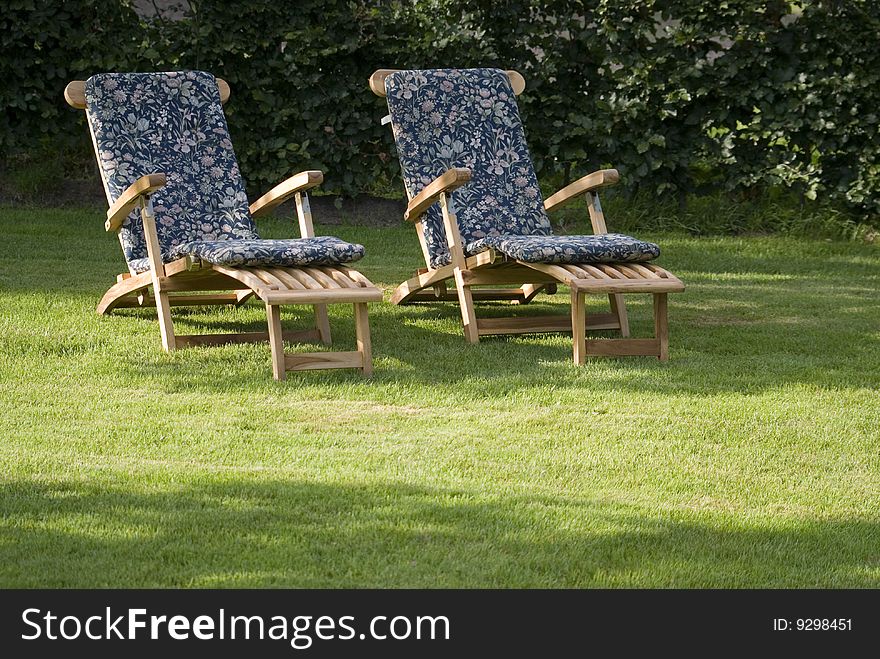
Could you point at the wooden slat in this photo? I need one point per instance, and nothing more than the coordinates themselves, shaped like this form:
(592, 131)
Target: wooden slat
(645, 272)
(305, 279)
(577, 271)
(192, 340)
(479, 294)
(594, 271)
(658, 270)
(611, 270)
(628, 286)
(323, 296)
(623, 347)
(557, 272)
(271, 280)
(542, 324)
(246, 277)
(524, 325)
(341, 278)
(322, 278)
(629, 272)
(183, 300)
(315, 360)
(354, 275)
(602, 321)
(287, 279)
(202, 281)
(411, 289)
(483, 276)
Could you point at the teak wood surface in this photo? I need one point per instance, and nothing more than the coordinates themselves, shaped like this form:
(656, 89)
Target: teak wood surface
(490, 269)
(189, 281)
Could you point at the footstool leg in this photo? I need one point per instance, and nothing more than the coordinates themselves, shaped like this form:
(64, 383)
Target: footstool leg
(618, 308)
(276, 341)
(322, 321)
(578, 326)
(362, 333)
(661, 326)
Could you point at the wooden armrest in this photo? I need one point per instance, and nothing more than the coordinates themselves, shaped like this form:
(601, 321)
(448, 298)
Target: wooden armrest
(123, 206)
(446, 182)
(284, 191)
(583, 185)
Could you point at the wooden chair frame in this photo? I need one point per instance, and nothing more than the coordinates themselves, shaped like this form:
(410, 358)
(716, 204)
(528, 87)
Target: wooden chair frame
(492, 268)
(172, 284)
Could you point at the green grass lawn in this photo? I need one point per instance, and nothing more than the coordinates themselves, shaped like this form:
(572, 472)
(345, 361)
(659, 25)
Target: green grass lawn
(750, 459)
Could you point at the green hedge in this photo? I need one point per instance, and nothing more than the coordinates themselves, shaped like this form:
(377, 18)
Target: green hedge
(681, 95)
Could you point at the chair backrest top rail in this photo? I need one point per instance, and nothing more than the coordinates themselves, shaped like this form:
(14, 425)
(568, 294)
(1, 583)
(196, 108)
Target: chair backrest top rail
(377, 81)
(75, 93)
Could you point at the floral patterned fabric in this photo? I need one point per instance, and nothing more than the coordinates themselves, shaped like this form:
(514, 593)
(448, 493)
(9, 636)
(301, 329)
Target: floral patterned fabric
(604, 248)
(323, 250)
(466, 118)
(444, 118)
(144, 123)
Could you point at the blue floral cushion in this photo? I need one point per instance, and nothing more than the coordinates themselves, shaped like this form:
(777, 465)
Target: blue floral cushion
(604, 248)
(143, 123)
(323, 250)
(466, 118)
(445, 118)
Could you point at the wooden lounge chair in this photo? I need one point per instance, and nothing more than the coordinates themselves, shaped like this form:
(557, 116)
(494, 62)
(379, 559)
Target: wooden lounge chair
(459, 130)
(163, 148)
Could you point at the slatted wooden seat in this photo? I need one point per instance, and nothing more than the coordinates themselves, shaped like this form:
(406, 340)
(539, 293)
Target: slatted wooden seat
(613, 279)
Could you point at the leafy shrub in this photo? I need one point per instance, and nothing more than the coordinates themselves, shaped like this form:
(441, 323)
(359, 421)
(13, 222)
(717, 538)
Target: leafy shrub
(683, 96)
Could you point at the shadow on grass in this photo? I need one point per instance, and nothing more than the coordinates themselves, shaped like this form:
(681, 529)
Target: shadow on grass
(297, 534)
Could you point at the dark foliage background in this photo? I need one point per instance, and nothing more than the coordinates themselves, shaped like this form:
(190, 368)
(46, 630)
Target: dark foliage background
(683, 96)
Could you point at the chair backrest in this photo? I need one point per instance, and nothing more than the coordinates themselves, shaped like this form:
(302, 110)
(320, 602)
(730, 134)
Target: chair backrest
(445, 118)
(145, 123)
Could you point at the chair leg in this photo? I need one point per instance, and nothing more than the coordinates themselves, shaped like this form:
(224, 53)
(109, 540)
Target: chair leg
(166, 327)
(362, 333)
(618, 307)
(661, 325)
(276, 341)
(578, 326)
(466, 301)
(322, 321)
